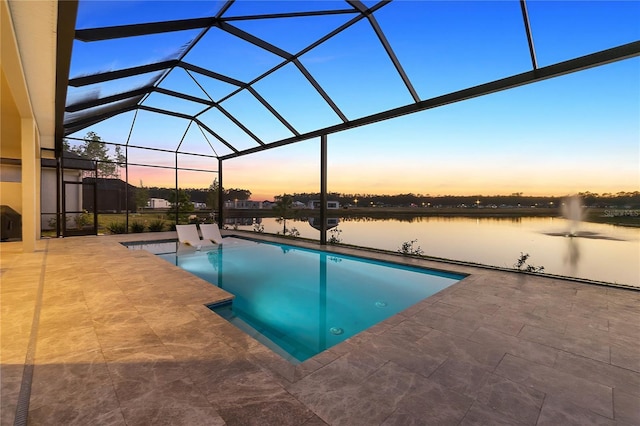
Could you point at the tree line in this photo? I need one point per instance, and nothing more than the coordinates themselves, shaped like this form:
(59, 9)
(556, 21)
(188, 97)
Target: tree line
(209, 196)
(620, 199)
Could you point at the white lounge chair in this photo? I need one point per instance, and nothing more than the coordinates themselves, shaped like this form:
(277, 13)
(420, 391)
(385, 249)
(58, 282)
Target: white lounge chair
(188, 234)
(211, 232)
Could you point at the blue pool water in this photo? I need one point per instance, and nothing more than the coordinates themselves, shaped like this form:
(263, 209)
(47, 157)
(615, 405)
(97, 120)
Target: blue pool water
(300, 302)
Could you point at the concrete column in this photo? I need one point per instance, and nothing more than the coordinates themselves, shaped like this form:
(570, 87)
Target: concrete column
(38, 192)
(30, 185)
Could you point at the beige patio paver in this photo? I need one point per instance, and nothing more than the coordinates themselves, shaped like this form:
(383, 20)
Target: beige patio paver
(124, 337)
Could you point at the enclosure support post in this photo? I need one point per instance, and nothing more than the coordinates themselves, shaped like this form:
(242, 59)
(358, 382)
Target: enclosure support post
(58, 194)
(126, 187)
(323, 189)
(220, 219)
(62, 217)
(176, 194)
(95, 201)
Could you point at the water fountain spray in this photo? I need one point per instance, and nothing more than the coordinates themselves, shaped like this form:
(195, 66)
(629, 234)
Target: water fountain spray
(572, 211)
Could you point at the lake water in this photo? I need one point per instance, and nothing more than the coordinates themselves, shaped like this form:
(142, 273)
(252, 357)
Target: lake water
(606, 252)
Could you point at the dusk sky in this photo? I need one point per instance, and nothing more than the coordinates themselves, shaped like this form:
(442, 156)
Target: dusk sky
(579, 132)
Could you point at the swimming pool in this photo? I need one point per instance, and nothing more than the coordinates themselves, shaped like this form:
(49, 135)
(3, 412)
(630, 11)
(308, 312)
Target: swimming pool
(300, 302)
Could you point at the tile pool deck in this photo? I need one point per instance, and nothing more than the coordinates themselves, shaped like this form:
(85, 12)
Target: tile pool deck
(94, 333)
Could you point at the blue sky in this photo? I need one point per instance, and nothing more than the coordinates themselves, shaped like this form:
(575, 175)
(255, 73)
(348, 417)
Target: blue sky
(579, 132)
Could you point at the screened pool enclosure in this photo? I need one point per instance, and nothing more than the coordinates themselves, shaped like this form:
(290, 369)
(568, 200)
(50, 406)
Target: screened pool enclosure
(178, 88)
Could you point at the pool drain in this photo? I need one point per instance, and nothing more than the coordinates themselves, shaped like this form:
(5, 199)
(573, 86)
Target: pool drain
(336, 330)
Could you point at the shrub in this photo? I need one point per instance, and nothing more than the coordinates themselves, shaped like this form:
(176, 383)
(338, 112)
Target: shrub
(521, 264)
(54, 221)
(137, 226)
(335, 236)
(258, 227)
(156, 225)
(407, 249)
(117, 227)
(83, 219)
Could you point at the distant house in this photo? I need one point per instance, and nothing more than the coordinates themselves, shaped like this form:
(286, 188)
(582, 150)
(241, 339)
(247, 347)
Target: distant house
(243, 204)
(113, 195)
(315, 204)
(199, 206)
(158, 203)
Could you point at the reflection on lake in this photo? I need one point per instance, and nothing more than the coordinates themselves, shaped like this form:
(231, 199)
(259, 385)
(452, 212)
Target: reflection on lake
(602, 252)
